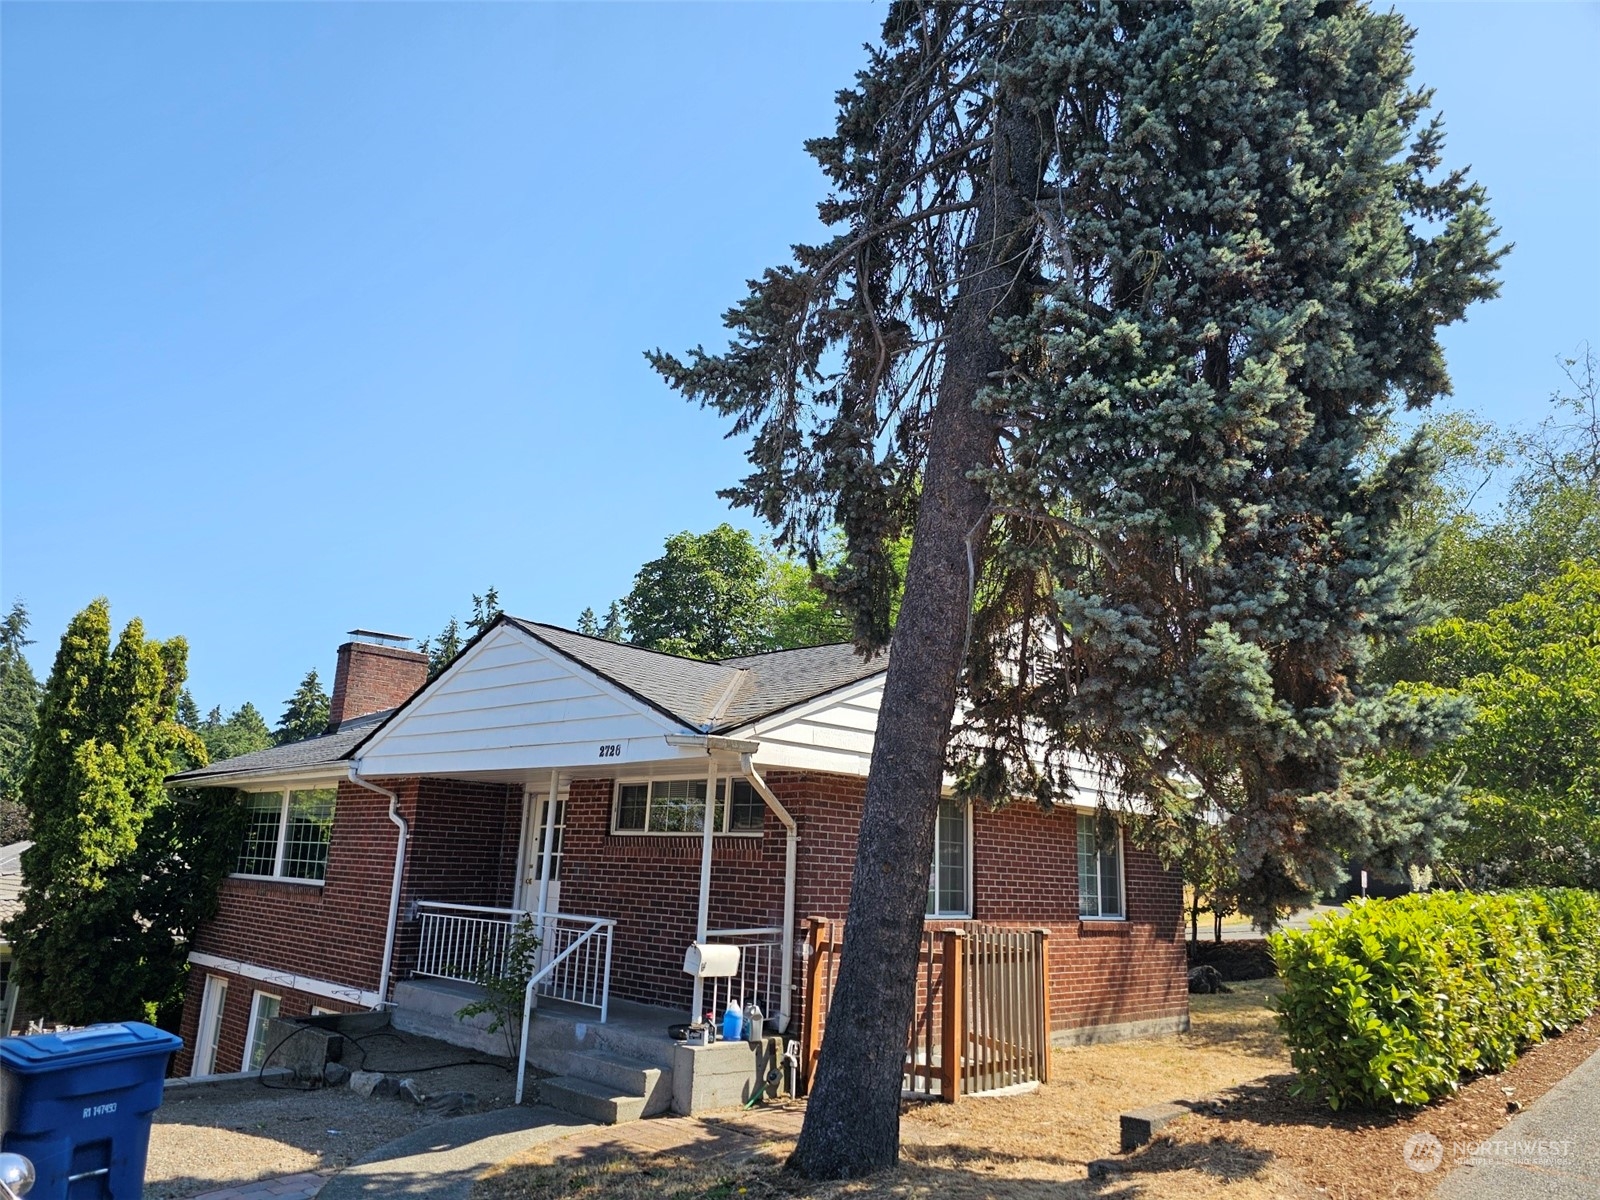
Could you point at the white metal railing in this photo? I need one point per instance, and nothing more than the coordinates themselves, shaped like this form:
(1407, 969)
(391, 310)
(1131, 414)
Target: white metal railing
(589, 945)
(760, 970)
(463, 941)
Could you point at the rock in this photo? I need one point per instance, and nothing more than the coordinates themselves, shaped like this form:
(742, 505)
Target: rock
(336, 1074)
(1207, 980)
(1142, 1124)
(449, 1104)
(372, 1083)
(412, 1091)
(1104, 1168)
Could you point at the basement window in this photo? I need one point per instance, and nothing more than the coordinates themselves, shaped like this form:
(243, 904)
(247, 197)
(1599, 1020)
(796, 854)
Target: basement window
(678, 806)
(286, 834)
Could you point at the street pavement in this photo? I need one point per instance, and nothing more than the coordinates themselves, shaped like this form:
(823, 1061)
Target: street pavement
(1550, 1151)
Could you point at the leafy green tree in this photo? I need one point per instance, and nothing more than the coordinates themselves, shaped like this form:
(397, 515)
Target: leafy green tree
(1119, 296)
(243, 731)
(702, 598)
(1530, 759)
(120, 871)
(443, 647)
(305, 714)
(19, 719)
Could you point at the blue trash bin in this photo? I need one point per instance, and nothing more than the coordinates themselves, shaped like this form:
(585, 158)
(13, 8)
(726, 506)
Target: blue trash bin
(78, 1104)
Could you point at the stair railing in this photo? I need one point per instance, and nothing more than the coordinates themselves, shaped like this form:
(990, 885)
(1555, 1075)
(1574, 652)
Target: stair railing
(599, 930)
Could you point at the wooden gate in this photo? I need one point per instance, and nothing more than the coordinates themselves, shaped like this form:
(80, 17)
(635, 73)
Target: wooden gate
(982, 1016)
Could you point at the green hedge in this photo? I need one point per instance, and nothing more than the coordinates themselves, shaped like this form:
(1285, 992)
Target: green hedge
(1393, 1001)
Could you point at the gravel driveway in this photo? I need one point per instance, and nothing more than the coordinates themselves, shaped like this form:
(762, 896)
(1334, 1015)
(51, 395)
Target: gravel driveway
(214, 1135)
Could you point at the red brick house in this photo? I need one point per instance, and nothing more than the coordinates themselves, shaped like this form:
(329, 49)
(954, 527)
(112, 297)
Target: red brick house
(385, 854)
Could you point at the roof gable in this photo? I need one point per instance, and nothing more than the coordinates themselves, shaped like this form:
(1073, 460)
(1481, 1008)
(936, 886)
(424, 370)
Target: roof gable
(512, 702)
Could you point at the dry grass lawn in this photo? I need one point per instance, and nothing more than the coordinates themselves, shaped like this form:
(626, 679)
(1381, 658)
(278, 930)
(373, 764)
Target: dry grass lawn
(1033, 1145)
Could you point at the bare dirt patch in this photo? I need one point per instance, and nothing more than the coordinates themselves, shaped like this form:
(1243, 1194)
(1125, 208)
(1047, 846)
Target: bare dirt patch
(216, 1135)
(1033, 1145)
(1249, 1139)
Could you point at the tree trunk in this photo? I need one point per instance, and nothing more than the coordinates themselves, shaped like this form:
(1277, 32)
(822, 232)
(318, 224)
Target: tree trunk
(852, 1124)
(1194, 920)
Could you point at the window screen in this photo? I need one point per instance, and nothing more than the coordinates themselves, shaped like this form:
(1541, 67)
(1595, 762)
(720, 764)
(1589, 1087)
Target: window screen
(632, 801)
(305, 843)
(749, 810)
(258, 853)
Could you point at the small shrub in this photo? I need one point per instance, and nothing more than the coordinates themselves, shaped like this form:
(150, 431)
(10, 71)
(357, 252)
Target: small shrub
(1392, 1002)
(504, 991)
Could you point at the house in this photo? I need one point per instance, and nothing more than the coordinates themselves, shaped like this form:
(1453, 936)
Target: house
(549, 773)
(11, 887)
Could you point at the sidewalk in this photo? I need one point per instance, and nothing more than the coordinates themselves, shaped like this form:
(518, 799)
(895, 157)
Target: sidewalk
(1549, 1152)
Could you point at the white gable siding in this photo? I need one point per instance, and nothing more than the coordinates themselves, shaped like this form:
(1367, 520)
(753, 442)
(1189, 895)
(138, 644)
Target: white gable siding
(511, 704)
(833, 733)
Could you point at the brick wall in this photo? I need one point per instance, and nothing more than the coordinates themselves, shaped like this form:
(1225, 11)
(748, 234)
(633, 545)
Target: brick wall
(1025, 874)
(463, 845)
(235, 1027)
(370, 679)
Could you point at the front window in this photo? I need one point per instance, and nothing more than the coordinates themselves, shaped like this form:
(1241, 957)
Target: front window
(1099, 867)
(286, 834)
(949, 879)
(679, 806)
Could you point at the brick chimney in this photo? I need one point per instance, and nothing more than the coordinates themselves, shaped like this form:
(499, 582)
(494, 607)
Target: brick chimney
(371, 678)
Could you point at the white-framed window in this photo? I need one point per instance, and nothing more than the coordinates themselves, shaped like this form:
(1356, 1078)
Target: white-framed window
(1100, 891)
(286, 834)
(950, 876)
(678, 806)
(263, 1008)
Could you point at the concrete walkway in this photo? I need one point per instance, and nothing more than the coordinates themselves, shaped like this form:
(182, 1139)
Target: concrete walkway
(442, 1160)
(1549, 1152)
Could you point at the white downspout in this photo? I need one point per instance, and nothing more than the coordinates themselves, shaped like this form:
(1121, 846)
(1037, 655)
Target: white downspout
(394, 887)
(790, 848)
(703, 916)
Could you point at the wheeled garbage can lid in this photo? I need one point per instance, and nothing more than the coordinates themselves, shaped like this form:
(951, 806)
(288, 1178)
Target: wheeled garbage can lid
(49, 1052)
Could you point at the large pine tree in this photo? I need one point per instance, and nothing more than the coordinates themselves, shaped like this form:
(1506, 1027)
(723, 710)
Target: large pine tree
(1121, 295)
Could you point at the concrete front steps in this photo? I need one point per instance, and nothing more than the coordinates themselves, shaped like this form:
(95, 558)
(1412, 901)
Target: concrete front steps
(619, 1071)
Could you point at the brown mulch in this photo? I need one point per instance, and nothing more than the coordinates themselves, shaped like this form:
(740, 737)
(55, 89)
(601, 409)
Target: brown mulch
(1359, 1155)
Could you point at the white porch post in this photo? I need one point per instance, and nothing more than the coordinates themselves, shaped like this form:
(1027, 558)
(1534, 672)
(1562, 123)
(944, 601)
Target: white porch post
(703, 918)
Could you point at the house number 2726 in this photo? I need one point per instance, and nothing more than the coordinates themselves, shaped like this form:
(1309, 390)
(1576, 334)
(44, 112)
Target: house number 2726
(611, 750)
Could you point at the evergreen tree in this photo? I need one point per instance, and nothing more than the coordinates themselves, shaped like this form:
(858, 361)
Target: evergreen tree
(189, 712)
(615, 627)
(99, 937)
(19, 719)
(588, 623)
(442, 648)
(305, 714)
(1122, 295)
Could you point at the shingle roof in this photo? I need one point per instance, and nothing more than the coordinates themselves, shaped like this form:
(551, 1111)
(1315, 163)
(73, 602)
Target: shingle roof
(709, 696)
(327, 750)
(691, 691)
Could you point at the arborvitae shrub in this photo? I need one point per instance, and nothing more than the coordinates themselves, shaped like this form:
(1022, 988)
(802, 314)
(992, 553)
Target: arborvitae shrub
(1393, 1002)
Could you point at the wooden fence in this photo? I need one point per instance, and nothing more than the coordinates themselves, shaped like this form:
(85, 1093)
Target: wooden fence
(982, 1016)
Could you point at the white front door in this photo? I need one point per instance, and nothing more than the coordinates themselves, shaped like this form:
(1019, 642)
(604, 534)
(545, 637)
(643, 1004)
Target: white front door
(205, 1038)
(537, 814)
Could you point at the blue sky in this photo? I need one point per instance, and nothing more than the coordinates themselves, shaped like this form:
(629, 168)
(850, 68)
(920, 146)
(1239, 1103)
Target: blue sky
(317, 316)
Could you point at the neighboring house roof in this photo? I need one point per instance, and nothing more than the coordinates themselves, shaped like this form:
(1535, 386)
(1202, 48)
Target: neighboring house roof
(11, 880)
(711, 697)
(328, 750)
